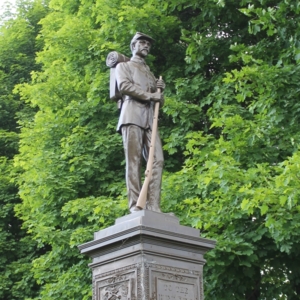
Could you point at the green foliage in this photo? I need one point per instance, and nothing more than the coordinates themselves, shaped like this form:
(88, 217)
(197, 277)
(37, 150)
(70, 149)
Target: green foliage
(17, 250)
(229, 126)
(17, 60)
(238, 182)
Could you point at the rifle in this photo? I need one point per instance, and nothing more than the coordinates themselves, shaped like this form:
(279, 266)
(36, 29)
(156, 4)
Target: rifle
(141, 202)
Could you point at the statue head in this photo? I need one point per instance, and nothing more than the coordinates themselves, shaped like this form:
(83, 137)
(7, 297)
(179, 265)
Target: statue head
(140, 44)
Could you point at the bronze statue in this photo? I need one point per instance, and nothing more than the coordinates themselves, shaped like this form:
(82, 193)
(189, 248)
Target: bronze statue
(139, 90)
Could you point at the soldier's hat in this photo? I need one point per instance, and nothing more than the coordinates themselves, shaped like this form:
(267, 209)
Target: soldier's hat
(139, 36)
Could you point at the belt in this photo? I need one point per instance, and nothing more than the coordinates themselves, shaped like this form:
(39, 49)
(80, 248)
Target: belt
(127, 98)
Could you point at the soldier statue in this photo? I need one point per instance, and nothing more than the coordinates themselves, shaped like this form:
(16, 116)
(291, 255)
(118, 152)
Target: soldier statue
(138, 88)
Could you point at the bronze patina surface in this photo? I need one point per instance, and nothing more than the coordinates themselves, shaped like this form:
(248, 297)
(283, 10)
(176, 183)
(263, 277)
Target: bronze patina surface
(138, 87)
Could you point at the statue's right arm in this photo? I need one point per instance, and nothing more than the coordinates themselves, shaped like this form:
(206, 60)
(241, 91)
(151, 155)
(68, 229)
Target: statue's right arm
(126, 85)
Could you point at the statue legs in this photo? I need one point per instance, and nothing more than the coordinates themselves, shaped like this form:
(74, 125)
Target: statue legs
(136, 143)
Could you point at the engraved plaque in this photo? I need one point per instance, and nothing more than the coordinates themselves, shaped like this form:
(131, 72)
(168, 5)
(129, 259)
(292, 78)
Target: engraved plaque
(167, 290)
(177, 285)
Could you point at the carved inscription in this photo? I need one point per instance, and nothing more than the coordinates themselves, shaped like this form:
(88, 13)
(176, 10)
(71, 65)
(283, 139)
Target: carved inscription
(169, 290)
(174, 286)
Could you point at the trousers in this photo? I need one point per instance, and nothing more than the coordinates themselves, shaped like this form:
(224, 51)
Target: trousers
(136, 142)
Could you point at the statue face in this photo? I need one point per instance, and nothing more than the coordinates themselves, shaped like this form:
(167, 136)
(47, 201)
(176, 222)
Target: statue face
(141, 48)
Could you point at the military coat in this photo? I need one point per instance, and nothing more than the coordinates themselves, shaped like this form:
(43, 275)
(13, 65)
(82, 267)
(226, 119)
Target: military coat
(136, 83)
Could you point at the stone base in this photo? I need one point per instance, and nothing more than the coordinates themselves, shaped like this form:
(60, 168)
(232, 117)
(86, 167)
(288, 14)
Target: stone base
(147, 256)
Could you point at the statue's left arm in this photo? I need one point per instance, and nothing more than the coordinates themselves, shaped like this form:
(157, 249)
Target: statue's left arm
(160, 84)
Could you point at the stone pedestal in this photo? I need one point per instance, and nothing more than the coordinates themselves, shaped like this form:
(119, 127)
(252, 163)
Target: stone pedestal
(147, 256)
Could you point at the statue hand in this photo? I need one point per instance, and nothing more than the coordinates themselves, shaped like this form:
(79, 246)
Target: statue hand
(158, 97)
(160, 84)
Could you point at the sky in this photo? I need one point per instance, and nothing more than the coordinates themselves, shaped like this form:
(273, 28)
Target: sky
(3, 4)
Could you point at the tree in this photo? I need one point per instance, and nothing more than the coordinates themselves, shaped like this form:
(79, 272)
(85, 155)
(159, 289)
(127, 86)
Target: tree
(229, 128)
(17, 60)
(239, 174)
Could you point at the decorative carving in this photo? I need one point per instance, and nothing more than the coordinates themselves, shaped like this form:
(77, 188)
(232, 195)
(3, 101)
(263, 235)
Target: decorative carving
(117, 271)
(172, 269)
(138, 281)
(148, 281)
(115, 279)
(116, 285)
(94, 289)
(115, 291)
(173, 277)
